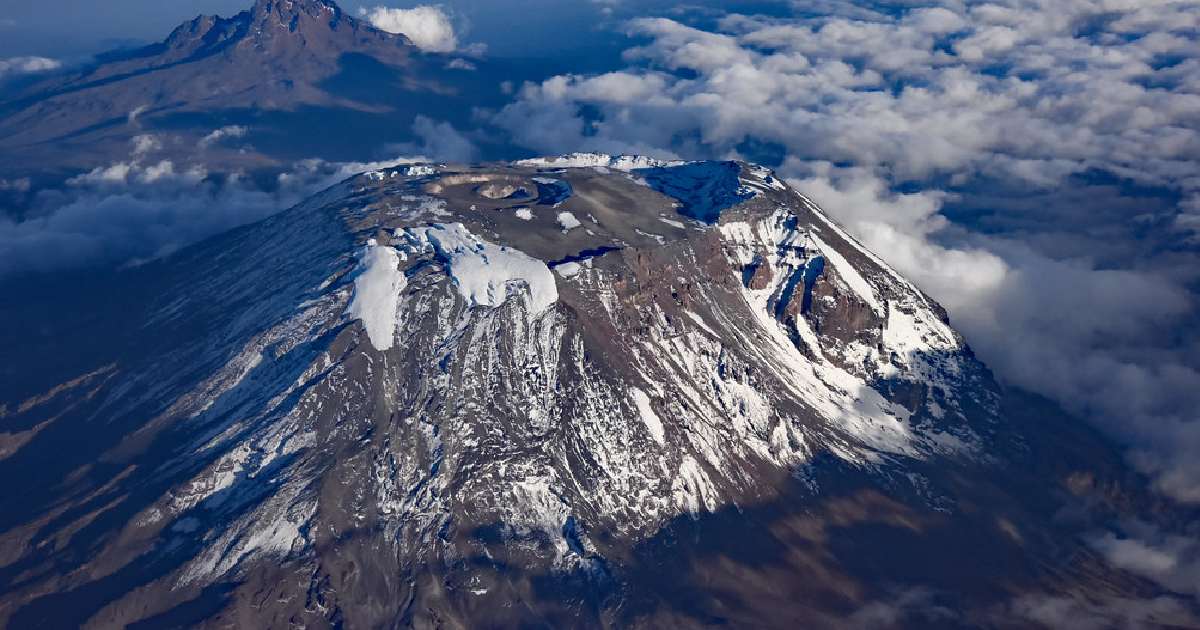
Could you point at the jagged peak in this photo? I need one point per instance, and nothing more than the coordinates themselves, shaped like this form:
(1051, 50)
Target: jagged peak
(294, 7)
(279, 20)
(292, 14)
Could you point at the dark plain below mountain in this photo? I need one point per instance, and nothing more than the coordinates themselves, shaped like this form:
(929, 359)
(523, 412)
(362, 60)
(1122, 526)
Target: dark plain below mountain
(575, 392)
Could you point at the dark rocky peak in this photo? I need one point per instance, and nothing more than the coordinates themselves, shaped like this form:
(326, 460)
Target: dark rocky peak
(292, 13)
(271, 24)
(289, 31)
(193, 29)
(282, 25)
(205, 31)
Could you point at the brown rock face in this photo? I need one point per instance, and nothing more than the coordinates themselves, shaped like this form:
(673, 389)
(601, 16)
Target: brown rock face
(760, 274)
(837, 312)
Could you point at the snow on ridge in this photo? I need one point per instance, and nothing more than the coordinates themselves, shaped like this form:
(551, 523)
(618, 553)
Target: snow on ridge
(760, 178)
(849, 274)
(767, 179)
(923, 330)
(420, 170)
(390, 169)
(377, 291)
(837, 229)
(599, 160)
(483, 272)
(846, 398)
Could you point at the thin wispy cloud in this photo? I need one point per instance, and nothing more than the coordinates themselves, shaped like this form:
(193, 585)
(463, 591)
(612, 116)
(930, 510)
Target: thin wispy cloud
(27, 65)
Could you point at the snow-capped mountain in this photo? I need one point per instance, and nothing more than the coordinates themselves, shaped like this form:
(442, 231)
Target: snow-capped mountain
(586, 390)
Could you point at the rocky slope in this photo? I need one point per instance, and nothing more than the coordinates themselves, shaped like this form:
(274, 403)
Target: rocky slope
(585, 391)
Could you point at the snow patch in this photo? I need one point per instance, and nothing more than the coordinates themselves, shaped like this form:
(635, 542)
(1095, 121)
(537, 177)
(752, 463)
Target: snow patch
(764, 178)
(653, 423)
(486, 274)
(692, 490)
(568, 221)
(377, 291)
(420, 170)
(568, 269)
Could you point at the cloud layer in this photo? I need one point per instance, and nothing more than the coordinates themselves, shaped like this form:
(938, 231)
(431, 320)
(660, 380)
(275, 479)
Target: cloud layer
(148, 206)
(1032, 164)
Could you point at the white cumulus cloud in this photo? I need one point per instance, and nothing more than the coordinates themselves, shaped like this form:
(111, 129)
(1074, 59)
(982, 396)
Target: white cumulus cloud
(428, 26)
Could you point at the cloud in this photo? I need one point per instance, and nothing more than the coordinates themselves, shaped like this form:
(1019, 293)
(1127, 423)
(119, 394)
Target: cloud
(145, 143)
(901, 608)
(135, 210)
(429, 27)
(20, 185)
(224, 133)
(133, 115)
(438, 141)
(894, 95)
(1032, 164)
(1088, 337)
(1098, 613)
(919, 607)
(1171, 560)
(124, 174)
(27, 65)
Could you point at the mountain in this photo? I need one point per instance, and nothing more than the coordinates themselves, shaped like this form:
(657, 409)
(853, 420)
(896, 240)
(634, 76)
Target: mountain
(300, 77)
(584, 391)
